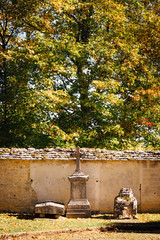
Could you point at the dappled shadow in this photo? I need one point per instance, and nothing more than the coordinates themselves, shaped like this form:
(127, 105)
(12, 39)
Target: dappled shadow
(103, 216)
(30, 216)
(149, 227)
(25, 216)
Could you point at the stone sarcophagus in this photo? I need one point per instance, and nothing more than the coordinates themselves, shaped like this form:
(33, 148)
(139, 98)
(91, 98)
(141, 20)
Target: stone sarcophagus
(49, 208)
(125, 205)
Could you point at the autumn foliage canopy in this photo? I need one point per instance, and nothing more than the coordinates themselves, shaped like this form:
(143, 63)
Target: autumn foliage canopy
(80, 72)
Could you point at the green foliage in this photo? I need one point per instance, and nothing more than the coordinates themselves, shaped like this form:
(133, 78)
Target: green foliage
(80, 73)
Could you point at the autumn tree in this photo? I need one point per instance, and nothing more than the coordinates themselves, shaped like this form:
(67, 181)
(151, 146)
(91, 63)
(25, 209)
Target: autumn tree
(26, 96)
(90, 73)
(83, 37)
(99, 55)
(140, 91)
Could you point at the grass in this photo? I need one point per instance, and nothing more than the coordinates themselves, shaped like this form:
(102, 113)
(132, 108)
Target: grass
(148, 217)
(12, 223)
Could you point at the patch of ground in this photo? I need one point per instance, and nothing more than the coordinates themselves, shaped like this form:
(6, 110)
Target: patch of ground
(97, 227)
(139, 231)
(98, 235)
(94, 235)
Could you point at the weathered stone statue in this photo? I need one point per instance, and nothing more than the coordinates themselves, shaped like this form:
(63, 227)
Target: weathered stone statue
(125, 205)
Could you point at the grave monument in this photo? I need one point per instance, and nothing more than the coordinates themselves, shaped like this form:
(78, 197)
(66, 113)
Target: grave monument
(78, 206)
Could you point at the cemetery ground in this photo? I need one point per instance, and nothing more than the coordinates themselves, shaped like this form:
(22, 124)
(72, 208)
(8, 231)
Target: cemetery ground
(102, 226)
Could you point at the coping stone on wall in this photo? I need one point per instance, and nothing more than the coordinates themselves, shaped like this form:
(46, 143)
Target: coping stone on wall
(68, 154)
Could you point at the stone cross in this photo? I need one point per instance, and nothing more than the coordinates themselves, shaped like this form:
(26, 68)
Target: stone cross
(78, 206)
(78, 168)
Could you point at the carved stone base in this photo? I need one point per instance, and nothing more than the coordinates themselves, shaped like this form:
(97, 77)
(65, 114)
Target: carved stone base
(78, 208)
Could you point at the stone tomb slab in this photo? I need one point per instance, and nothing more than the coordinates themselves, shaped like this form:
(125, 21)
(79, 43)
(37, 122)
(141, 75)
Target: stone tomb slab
(51, 208)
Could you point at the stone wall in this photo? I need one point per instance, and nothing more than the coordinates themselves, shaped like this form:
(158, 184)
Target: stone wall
(16, 192)
(35, 175)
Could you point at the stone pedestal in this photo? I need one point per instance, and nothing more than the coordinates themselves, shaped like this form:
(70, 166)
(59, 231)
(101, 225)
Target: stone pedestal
(78, 206)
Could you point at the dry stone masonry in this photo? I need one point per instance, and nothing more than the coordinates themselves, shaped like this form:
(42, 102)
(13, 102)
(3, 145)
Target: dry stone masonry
(63, 153)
